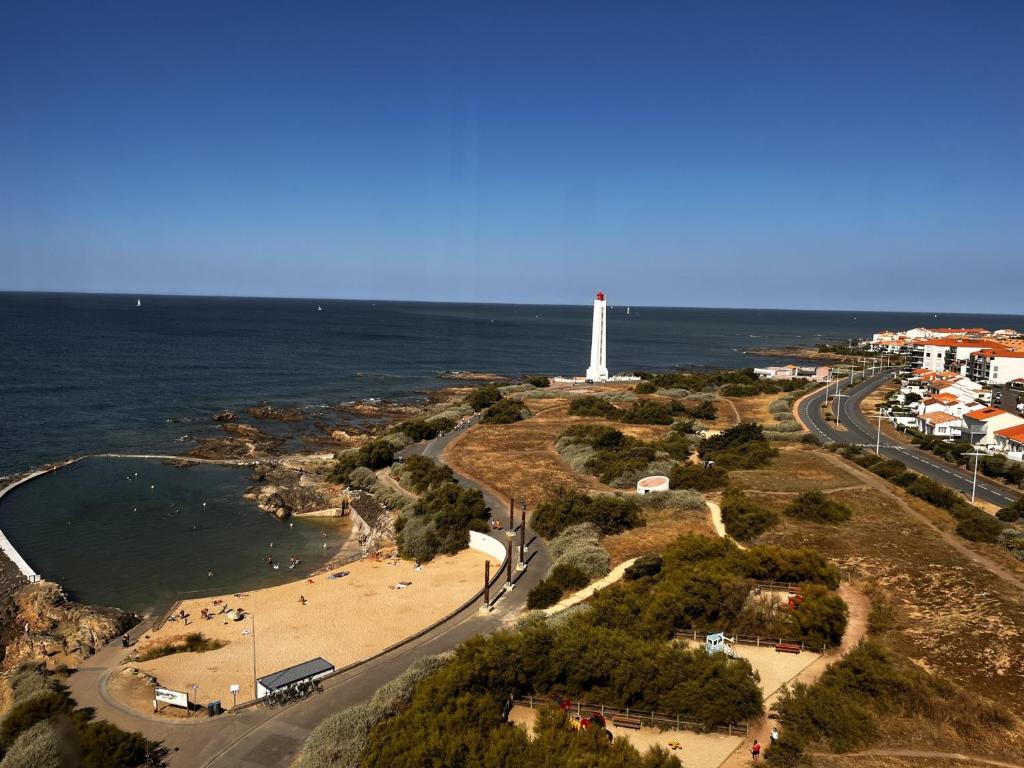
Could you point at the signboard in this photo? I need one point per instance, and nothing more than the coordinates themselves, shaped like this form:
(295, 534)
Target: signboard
(174, 698)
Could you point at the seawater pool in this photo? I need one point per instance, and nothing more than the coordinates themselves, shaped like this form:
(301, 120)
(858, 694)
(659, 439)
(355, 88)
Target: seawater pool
(135, 534)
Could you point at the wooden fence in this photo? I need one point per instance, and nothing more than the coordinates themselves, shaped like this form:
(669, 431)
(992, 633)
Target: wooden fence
(645, 716)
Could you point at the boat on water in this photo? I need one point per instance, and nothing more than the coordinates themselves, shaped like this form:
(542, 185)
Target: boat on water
(319, 308)
(138, 302)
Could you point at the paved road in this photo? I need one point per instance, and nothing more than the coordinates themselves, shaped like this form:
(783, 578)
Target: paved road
(862, 431)
(258, 737)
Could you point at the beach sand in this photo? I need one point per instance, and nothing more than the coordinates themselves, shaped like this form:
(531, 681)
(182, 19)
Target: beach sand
(344, 620)
(698, 750)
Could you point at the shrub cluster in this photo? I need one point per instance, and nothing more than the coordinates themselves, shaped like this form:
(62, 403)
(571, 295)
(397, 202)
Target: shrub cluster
(484, 396)
(972, 524)
(420, 473)
(698, 477)
(843, 708)
(580, 546)
(538, 381)
(611, 514)
(505, 411)
(43, 721)
(816, 507)
(376, 454)
(704, 584)
(744, 518)
(740, 447)
(564, 578)
(440, 522)
(644, 566)
(1013, 513)
(340, 739)
(421, 429)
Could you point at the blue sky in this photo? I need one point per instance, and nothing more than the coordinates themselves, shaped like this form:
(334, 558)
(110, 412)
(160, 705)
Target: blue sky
(775, 154)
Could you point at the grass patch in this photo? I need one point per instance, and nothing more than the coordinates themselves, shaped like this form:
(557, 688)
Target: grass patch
(193, 642)
(816, 507)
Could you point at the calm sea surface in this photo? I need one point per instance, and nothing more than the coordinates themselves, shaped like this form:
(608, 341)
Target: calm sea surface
(95, 373)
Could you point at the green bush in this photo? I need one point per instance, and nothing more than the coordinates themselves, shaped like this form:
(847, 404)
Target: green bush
(816, 507)
(484, 396)
(611, 514)
(37, 747)
(418, 429)
(594, 407)
(544, 595)
(505, 411)
(740, 447)
(744, 518)
(644, 566)
(376, 454)
(645, 388)
(441, 521)
(420, 473)
(538, 381)
(698, 477)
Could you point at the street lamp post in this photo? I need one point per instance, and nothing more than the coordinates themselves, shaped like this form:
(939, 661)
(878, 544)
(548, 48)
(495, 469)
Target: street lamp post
(974, 483)
(878, 438)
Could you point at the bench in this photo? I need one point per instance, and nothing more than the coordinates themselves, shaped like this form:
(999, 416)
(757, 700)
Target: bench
(626, 722)
(787, 648)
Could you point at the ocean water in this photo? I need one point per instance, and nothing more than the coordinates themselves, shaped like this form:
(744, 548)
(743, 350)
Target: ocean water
(94, 373)
(134, 533)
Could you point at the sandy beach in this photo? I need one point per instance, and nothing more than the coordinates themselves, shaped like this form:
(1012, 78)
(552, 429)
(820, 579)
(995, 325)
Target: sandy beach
(343, 620)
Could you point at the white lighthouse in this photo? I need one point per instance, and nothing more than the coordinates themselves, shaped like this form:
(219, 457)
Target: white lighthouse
(598, 370)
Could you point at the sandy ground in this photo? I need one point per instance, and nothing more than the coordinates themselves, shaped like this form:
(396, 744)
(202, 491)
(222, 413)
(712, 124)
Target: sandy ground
(698, 750)
(344, 620)
(774, 668)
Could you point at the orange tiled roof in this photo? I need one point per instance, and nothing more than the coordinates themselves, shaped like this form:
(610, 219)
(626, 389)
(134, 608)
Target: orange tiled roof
(1013, 433)
(989, 412)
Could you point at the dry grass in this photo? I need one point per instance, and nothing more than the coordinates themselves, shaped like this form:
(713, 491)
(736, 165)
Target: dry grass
(754, 408)
(520, 460)
(663, 527)
(797, 468)
(954, 617)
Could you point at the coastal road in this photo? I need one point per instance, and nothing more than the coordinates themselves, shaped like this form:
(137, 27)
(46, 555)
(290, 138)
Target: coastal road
(259, 737)
(859, 430)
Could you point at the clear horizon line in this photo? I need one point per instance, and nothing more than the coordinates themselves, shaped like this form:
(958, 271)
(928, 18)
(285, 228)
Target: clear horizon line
(495, 303)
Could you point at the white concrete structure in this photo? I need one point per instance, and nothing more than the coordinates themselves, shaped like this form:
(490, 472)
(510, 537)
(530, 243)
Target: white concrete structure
(598, 370)
(981, 425)
(652, 484)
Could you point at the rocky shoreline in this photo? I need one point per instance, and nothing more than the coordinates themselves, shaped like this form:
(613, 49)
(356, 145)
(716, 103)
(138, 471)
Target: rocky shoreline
(39, 623)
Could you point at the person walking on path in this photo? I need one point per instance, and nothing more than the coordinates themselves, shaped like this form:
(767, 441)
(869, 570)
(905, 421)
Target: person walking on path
(755, 750)
(774, 736)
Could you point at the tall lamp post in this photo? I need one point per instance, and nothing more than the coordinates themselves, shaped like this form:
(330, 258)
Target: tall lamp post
(974, 483)
(878, 437)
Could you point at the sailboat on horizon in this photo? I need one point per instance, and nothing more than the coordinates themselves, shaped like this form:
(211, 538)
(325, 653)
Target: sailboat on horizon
(138, 302)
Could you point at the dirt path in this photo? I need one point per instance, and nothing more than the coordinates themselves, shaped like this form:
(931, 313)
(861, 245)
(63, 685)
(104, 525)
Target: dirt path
(955, 542)
(384, 477)
(973, 759)
(856, 629)
(735, 411)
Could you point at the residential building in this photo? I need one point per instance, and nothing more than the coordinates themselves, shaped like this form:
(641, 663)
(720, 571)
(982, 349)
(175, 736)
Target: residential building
(981, 425)
(996, 366)
(1010, 441)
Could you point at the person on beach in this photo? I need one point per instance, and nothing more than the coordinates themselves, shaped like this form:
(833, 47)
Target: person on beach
(755, 750)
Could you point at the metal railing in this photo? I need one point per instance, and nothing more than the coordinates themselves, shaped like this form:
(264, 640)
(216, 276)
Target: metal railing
(649, 717)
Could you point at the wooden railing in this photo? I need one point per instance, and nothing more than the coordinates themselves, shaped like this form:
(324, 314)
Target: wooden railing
(767, 642)
(647, 717)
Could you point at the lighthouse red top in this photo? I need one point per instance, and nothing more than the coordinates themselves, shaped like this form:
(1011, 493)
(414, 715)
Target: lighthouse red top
(600, 295)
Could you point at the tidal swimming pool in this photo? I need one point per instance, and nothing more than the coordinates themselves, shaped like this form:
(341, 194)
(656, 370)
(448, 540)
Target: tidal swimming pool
(135, 534)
